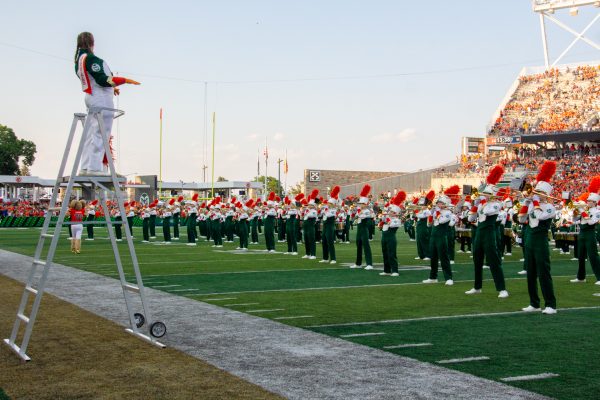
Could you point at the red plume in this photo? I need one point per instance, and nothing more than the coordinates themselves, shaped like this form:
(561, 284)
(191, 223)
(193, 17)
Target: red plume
(271, 196)
(399, 198)
(452, 191)
(233, 200)
(203, 204)
(430, 196)
(495, 174)
(126, 204)
(180, 199)
(277, 199)
(195, 197)
(249, 203)
(583, 196)
(304, 202)
(594, 185)
(365, 190)
(415, 200)
(335, 192)
(217, 200)
(314, 193)
(503, 192)
(546, 172)
(93, 203)
(299, 197)
(171, 202)
(287, 200)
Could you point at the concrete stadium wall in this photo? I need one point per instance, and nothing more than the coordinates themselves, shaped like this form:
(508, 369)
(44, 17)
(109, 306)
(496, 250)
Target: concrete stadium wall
(330, 178)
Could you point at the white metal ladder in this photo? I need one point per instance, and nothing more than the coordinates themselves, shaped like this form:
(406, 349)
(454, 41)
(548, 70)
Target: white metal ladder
(36, 280)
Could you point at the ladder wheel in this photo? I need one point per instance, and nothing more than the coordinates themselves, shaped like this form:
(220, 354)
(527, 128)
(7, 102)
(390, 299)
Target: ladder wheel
(139, 319)
(158, 329)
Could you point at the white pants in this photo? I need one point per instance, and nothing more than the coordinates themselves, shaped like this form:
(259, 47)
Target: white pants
(93, 148)
(76, 231)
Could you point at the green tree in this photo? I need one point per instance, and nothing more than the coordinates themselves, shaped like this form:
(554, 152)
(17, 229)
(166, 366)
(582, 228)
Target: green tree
(297, 188)
(13, 148)
(273, 185)
(221, 179)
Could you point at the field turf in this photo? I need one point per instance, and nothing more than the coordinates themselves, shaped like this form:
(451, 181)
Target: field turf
(431, 322)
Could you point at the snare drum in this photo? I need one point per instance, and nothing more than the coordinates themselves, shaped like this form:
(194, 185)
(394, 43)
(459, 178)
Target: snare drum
(339, 226)
(572, 236)
(508, 232)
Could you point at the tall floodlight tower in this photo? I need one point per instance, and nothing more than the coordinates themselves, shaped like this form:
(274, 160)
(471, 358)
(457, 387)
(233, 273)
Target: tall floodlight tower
(546, 9)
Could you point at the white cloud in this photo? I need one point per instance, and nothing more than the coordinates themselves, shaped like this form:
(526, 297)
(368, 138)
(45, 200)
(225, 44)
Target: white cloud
(279, 137)
(405, 135)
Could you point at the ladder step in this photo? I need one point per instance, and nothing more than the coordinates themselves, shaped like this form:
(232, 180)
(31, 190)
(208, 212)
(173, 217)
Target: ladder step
(47, 235)
(39, 262)
(23, 318)
(131, 288)
(31, 290)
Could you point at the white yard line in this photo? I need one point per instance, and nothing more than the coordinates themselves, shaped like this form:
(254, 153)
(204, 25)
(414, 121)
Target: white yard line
(545, 375)
(441, 317)
(240, 304)
(261, 311)
(183, 290)
(165, 286)
(295, 317)
(407, 345)
(221, 299)
(462, 360)
(362, 334)
(251, 272)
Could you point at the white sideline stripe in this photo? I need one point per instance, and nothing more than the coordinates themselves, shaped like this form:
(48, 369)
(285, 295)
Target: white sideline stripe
(596, 294)
(461, 360)
(404, 346)
(545, 375)
(441, 317)
(259, 311)
(351, 287)
(363, 334)
(253, 272)
(240, 304)
(165, 286)
(296, 317)
(221, 299)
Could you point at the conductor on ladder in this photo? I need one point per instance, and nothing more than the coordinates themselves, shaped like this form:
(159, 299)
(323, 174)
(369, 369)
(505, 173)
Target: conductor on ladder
(99, 86)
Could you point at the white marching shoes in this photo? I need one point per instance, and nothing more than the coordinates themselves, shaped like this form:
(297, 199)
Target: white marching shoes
(530, 308)
(503, 294)
(473, 291)
(549, 310)
(430, 281)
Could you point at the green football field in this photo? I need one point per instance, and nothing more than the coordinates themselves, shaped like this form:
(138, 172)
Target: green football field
(480, 334)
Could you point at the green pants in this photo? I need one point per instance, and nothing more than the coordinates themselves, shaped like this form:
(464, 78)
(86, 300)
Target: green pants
(215, 231)
(270, 232)
(118, 231)
(362, 242)
(451, 242)
(588, 248)
(145, 229)
(485, 248)
(229, 228)
(243, 233)
(310, 244)
(254, 230)
(328, 240)
(90, 227)
(422, 238)
(290, 234)
(152, 226)
(438, 251)
(176, 226)
(166, 226)
(388, 248)
(191, 228)
(130, 224)
(281, 229)
(538, 265)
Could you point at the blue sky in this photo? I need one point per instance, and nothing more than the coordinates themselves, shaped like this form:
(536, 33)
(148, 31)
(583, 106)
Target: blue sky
(408, 79)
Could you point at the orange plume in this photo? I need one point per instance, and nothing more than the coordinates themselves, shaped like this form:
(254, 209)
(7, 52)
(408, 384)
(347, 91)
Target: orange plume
(546, 171)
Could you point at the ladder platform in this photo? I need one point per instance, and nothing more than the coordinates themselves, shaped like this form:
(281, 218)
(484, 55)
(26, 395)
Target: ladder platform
(39, 262)
(93, 179)
(31, 290)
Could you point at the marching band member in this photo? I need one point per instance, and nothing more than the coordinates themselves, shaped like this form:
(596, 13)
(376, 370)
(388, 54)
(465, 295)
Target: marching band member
(453, 194)
(291, 225)
(116, 213)
(145, 222)
(131, 216)
(465, 241)
(91, 215)
(192, 212)
(422, 228)
(329, 218)
(176, 216)
(254, 218)
(364, 217)
(229, 224)
(589, 216)
(540, 215)
(167, 213)
(308, 225)
(509, 213)
(388, 236)
(99, 86)
(484, 245)
(243, 224)
(438, 243)
(152, 222)
(216, 223)
(269, 221)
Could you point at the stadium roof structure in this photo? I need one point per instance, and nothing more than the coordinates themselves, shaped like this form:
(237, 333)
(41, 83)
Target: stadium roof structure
(562, 137)
(227, 185)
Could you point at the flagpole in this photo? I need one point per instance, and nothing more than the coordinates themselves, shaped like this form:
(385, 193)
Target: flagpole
(160, 156)
(266, 166)
(212, 194)
(286, 171)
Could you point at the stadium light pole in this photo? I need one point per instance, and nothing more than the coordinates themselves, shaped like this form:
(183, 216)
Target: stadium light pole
(545, 8)
(279, 161)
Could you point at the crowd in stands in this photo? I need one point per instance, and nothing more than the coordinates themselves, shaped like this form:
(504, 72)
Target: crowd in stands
(22, 209)
(553, 101)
